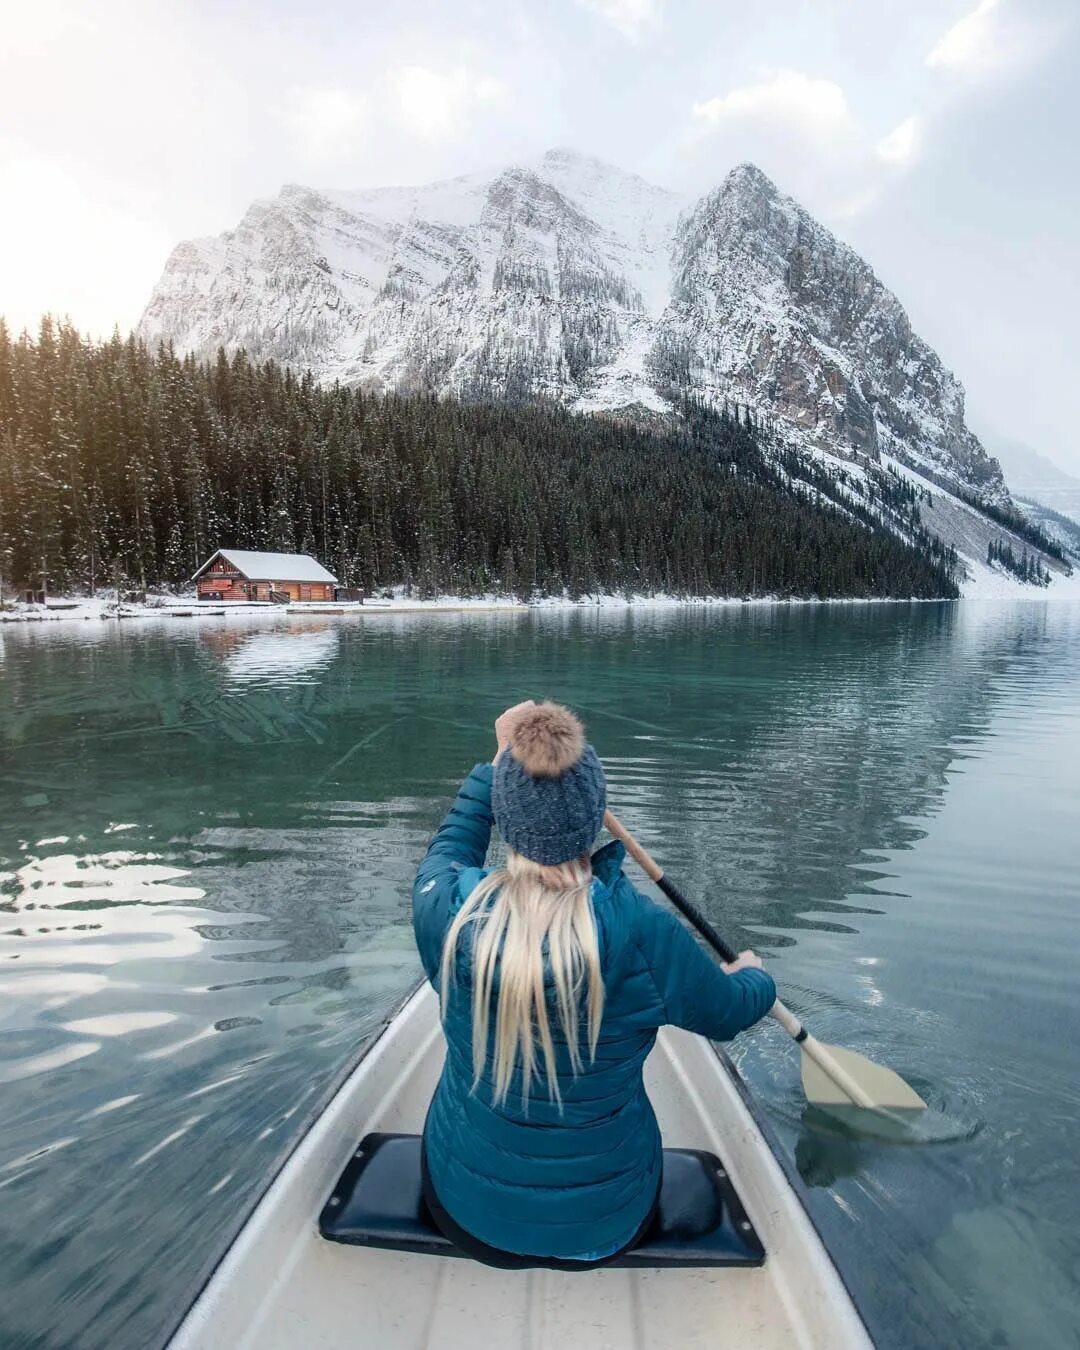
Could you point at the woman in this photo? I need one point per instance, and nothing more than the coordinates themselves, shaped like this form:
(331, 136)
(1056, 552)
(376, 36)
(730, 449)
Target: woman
(554, 974)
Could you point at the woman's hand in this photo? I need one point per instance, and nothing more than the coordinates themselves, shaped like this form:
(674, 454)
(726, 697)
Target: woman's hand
(505, 722)
(747, 960)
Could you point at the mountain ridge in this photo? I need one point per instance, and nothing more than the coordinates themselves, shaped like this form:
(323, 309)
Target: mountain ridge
(1037, 477)
(567, 277)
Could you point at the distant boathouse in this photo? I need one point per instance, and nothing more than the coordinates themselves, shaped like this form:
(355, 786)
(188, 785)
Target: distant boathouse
(237, 574)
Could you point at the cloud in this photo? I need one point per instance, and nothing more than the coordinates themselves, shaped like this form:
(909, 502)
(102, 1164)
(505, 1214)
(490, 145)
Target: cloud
(901, 145)
(970, 42)
(786, 100)
(430, 105)
(435, 105)
(328, 122)
(802, 129)
(634, 19)
(993, 37)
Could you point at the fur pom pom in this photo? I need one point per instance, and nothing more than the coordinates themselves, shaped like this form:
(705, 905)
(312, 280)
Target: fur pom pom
(547, 740)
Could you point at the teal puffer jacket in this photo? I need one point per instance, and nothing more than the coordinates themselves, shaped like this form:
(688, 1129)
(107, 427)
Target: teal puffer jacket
(528, 1177)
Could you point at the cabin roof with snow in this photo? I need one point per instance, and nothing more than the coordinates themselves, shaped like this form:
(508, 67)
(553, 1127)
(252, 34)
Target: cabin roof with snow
(270, 566)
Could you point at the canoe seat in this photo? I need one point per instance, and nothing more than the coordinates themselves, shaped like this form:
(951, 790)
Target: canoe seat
(378, 1201)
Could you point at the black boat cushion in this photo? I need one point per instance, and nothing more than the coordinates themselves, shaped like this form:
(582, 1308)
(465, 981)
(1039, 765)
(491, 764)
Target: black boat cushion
(378, 1201)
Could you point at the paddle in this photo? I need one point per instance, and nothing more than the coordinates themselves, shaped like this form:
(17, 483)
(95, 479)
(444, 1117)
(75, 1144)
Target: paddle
(831, 1075)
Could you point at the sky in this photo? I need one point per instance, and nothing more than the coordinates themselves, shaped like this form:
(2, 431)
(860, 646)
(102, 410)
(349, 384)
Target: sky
(938, 137)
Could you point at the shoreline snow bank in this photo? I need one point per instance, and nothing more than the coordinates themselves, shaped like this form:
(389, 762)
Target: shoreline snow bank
(986, 585)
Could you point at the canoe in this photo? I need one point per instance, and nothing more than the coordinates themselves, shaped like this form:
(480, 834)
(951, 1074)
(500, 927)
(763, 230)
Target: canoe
(283, 1286)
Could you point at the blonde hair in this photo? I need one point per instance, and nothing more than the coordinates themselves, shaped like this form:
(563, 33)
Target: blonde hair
(520, 914)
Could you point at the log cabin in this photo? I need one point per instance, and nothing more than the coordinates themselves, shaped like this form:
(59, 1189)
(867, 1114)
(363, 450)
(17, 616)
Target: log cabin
(238, 574)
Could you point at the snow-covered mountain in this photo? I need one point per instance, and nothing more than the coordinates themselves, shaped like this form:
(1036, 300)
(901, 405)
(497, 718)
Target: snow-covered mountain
(571, 279)
(532, 281)
(1046, 494)
(1038, 479)
(769, 306)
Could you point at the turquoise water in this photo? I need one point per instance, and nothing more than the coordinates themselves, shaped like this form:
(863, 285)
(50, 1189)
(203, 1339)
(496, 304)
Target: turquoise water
(207, 835)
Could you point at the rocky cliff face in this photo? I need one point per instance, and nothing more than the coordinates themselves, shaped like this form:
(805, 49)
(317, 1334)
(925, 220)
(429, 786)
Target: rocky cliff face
(770, 308)
(569, 279)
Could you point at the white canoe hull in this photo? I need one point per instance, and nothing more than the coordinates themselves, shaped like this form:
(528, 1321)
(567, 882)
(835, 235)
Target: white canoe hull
(282, 1287)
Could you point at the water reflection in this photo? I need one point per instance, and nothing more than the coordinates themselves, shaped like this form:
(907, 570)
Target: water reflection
(207, 838)
(276, 660)
(93, 881)
(825, 1151)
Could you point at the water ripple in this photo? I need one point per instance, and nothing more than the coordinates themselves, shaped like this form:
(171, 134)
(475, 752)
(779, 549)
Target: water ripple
(207, 839)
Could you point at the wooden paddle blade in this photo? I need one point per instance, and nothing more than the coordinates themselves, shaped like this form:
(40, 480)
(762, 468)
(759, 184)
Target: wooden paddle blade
(886, 1090)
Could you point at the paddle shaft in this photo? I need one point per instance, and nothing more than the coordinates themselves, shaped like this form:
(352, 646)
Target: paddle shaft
(655, 872)
(809, 1045)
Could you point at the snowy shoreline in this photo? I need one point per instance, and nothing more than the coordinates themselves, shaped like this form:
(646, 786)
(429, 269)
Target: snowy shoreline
(162, 606)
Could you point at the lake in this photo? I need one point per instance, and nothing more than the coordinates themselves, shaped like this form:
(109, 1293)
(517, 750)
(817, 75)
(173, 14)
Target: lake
(208, 832)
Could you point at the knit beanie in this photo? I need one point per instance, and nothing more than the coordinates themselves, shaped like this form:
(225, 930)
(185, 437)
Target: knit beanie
(548, 795)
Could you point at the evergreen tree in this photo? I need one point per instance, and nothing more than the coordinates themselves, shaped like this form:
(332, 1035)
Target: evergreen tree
(115, 460)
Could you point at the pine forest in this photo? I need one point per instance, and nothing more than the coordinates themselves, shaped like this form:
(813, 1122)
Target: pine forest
(122, 464)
